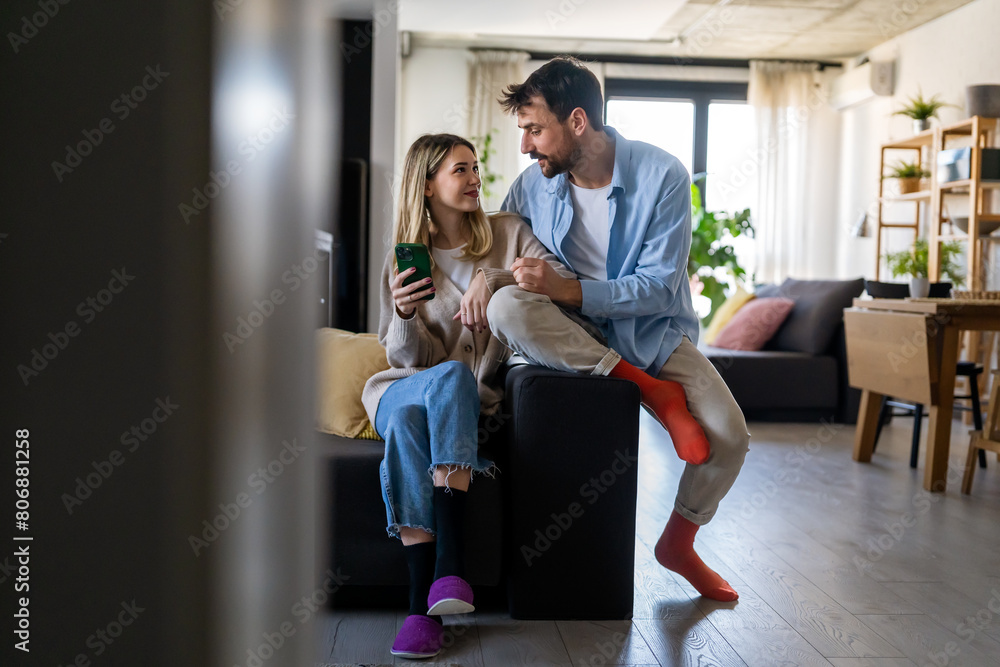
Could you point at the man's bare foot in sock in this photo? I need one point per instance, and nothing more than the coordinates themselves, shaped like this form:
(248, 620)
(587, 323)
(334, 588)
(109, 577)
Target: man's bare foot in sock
(675, 551)
(666, 401)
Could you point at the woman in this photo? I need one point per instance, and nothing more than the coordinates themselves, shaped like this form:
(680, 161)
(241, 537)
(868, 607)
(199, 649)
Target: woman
(444, 363)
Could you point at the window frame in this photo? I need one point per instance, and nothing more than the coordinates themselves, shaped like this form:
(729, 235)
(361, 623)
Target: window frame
(700, 93)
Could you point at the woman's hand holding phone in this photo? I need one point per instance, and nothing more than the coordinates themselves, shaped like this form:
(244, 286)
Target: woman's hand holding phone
(407, 297)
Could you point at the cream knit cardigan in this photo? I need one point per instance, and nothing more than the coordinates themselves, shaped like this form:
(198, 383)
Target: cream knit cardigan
(432, 337)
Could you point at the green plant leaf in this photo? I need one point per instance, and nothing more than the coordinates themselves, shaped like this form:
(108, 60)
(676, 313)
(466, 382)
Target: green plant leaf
(920, 109)
(907, 170)
(711, 247)
(914, 262)
(486, 151)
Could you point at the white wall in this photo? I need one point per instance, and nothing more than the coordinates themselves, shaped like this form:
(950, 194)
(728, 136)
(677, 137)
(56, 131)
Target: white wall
(434, 96)
(941, 57)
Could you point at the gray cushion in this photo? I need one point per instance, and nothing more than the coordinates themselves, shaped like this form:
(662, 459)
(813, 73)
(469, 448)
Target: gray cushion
(765, 291)
(819, 309)
(777, 380)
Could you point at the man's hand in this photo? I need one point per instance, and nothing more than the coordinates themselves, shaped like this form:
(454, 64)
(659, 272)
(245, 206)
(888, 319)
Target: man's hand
(472, 311)
(538, 276)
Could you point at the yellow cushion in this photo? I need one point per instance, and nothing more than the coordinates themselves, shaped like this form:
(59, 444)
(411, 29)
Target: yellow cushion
(725, 313)
(346, 361)
(368, 433)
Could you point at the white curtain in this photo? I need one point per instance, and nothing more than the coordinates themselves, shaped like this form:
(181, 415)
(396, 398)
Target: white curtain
(784, 96)
(491, 72)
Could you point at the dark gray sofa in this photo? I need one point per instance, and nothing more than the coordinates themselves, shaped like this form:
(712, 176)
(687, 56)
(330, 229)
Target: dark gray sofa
(561, 508)
(801, 374)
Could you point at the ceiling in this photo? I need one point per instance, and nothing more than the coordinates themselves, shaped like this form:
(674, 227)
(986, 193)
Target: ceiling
(796, 29)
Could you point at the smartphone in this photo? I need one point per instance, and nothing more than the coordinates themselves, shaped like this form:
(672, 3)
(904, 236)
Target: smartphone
(414, 255)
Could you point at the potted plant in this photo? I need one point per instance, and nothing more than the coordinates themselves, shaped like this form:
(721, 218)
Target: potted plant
(908, 174)
(913, 263)
(487, 175)
(921, 110)
(711, 248)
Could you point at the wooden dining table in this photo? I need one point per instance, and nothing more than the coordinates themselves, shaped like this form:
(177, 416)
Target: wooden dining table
(908, 349)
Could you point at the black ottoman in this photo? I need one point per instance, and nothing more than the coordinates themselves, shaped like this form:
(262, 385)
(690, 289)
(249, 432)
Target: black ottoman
(571, 480)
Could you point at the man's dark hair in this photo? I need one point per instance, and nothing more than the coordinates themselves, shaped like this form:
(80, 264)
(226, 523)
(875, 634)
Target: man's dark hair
(565, 84)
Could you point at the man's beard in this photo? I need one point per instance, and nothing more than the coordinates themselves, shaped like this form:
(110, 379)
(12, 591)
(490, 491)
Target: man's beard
(556, 164)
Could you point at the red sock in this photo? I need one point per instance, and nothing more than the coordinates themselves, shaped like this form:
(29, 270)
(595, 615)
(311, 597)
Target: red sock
(666, 400)
(675, 551)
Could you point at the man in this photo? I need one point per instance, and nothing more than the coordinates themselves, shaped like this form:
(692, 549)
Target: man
(618, 213)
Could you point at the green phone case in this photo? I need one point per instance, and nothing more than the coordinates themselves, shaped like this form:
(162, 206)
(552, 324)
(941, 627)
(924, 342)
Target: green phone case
(414, 255)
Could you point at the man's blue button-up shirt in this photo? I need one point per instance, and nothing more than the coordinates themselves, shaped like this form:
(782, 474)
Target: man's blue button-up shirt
(645, 307)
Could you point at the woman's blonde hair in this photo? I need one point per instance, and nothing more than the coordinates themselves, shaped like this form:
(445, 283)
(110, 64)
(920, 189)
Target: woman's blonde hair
(413, 222)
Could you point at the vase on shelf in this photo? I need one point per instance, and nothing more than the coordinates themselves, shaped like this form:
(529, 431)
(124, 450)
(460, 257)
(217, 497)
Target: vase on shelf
(921, 124)
(920, 287)
(983, 100)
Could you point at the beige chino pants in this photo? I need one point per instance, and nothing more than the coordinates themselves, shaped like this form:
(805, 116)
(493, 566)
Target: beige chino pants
(545, 334)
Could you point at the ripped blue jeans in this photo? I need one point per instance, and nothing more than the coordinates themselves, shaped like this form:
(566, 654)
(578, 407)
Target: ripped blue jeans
(428, 419)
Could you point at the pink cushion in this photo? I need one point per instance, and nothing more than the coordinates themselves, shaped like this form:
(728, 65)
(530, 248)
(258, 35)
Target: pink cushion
(754, 324)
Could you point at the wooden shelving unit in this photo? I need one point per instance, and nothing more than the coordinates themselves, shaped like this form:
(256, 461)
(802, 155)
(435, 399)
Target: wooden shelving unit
(977, 133)
(918, 148)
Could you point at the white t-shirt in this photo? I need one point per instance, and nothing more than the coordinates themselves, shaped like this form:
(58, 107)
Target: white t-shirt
(458, 270)
(586, 244)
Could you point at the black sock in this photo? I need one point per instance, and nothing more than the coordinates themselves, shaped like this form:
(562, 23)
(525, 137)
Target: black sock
(449, 517)
(420, 559)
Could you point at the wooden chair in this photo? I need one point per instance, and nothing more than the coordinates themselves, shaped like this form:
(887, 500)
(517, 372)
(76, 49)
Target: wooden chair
(987, 439)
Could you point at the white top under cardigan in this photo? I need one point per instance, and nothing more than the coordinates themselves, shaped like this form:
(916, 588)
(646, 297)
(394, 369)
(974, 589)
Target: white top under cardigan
(457, 269)
(432, 337)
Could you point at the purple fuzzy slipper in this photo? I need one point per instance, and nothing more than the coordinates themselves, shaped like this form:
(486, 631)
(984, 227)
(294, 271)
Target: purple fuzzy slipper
(450, 595)
(420, 637)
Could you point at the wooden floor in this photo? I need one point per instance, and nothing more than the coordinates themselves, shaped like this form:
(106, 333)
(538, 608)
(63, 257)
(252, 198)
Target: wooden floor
(836, 563)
